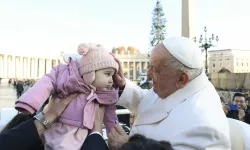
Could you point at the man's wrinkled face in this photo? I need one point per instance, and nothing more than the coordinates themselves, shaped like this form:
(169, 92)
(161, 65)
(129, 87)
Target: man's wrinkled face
(164, 77)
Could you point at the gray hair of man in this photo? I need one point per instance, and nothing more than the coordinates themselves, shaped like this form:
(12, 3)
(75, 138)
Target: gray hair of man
(178, 66)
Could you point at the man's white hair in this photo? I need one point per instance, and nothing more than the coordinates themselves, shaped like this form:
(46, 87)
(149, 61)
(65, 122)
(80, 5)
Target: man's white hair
(178, 66)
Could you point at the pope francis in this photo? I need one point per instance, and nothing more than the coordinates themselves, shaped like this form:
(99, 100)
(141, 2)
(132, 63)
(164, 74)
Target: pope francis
(183, 107)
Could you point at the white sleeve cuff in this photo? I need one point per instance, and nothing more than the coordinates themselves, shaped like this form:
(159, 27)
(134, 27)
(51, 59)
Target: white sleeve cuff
(96, 133)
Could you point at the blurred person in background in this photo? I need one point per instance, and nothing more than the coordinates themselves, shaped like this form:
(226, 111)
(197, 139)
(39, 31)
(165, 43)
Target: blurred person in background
(242, 112)
(19, 88)
(26, 86)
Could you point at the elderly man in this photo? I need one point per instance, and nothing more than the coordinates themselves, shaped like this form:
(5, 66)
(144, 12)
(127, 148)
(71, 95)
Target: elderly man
(183, 107)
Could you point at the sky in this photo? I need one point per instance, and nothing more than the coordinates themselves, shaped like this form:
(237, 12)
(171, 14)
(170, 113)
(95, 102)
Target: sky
(47, 27)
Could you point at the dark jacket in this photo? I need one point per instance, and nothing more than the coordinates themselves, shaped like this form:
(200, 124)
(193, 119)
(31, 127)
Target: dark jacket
(247, 116)
(94, 142)
(234, 115)
(25, 137)
(19, 87)
(21, 137)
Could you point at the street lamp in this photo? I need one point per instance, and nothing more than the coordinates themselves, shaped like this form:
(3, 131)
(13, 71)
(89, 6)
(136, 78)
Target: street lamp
(206, 43)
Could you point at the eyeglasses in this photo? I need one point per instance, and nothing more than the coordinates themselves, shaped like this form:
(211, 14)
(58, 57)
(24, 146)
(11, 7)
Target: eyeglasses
(239, 101)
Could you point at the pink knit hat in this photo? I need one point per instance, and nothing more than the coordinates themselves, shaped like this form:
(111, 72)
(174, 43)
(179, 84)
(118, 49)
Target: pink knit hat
(94, 57)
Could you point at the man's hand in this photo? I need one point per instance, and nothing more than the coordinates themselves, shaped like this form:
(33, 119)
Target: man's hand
(119, 79)
(99, 115)
(117, 137)
(131, 119)
(53, 110)
(56, 107)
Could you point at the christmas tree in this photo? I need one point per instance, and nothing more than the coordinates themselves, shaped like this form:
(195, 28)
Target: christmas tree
(158, 30)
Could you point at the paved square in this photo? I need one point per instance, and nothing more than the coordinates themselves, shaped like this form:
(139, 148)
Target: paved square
(7, 96)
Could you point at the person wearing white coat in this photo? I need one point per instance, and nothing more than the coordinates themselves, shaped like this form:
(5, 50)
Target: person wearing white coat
(183, 107)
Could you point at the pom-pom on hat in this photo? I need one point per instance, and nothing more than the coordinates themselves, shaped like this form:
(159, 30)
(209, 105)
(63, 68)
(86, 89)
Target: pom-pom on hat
(94, 57)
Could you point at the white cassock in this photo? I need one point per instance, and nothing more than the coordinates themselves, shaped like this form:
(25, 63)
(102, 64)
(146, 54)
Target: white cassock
(191, 118)
(240, 134)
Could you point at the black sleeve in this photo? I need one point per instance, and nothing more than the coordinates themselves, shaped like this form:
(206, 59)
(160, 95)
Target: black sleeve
(94, 142)
(21, 137)
(247, 116)
(233, 114)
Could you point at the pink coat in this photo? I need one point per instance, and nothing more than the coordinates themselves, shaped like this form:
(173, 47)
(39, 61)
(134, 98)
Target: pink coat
(64, 80)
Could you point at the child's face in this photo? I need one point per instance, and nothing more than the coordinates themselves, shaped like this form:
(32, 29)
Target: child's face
(103, 79)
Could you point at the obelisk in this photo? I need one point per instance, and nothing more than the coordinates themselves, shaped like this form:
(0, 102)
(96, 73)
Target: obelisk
(188, 18)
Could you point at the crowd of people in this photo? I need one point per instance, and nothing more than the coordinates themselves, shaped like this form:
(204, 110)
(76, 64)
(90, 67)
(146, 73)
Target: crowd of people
(181, 111)
(239, 109)
(21, 85)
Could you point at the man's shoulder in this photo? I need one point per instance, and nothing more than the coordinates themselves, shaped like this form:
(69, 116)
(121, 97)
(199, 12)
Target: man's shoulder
(204, 123)
(202, 136)
(204, 109)
(241, 127)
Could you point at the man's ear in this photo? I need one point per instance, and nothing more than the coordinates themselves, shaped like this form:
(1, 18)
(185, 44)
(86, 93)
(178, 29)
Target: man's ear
(183, 80)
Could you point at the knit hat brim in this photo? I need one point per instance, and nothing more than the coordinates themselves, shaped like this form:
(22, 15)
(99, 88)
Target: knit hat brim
(98, 66)
(89, 78)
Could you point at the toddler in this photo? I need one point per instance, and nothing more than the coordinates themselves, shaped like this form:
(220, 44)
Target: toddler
(91, 76)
